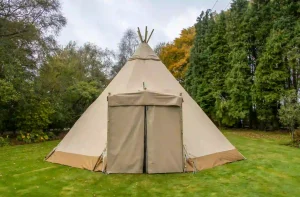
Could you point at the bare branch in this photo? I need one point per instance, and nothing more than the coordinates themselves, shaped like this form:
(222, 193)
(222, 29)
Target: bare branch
(12, 34)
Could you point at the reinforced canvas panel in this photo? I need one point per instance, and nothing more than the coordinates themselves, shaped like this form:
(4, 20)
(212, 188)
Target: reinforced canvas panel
(125, 139)
(212, 160)
(144, 98)
(164, 139)
(74, 160)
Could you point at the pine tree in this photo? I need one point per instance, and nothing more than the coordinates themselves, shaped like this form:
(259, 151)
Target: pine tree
(244, 61)
(196, 81)
(219, 68)
(239, 80)
(278, 68)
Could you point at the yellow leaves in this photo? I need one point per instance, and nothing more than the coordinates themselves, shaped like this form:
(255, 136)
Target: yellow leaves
(34, 136)
(176, 55)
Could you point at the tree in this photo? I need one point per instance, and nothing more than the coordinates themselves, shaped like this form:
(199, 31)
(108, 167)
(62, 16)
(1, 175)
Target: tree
(72, 79)
(33, 113)
(159, 47)
(176, 55)
(27, 30)
(293, 58)
(78, 97)
(278, 66)
(8, 98)
(127, 47)
(7, 93)
(239, 79)
(198, 75)
(289, 112)
(243, 60)
(22, 15)
(271, 75)
(219, 68)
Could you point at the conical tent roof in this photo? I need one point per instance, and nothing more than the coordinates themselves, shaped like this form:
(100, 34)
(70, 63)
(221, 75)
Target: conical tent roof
(85, 144)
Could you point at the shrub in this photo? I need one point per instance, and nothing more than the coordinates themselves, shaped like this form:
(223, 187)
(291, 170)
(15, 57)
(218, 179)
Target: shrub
(289, 112)
(34, 114)
(297, 137)
(4, 141)
(35, 136)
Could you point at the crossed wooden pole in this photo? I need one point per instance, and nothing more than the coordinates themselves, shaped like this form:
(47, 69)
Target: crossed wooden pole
(145, 40)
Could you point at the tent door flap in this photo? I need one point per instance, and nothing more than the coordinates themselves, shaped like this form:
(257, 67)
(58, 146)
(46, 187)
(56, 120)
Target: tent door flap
(125, 139)
(144, 139)
(164, 139)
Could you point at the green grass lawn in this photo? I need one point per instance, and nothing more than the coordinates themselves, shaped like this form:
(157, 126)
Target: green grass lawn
(271, 169)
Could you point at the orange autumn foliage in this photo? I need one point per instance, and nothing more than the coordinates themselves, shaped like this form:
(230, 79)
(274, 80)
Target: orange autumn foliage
(176, 55)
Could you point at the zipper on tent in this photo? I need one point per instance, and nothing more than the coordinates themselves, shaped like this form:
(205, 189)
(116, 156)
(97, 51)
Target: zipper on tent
(145, 167)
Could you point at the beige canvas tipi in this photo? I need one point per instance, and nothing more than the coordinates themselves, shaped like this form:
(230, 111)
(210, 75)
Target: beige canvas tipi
(144, 122)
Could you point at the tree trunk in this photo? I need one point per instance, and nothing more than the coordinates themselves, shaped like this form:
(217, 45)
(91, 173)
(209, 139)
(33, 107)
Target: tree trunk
(294, 79)
(292, 132)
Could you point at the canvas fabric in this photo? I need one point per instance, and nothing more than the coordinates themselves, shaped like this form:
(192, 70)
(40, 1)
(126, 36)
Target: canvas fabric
(144, 98)
(127, 133)
(144, 52)
(125, 141)
(213, 160)
(164, 139)
(191, 164)
(88, 136)
(74, 160)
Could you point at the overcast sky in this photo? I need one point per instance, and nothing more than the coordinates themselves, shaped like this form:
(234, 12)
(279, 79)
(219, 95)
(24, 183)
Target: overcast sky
(103, 22)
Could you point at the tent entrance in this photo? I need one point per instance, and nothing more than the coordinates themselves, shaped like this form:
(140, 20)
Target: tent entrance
(144, 138)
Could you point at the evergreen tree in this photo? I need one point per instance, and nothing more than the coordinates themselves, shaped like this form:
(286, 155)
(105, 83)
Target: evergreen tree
(242, 72)
(196, 82)
(219, 68)
(239, 79)
(278, 68)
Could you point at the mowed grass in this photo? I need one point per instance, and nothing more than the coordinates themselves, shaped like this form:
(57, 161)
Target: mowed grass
(271, 169)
